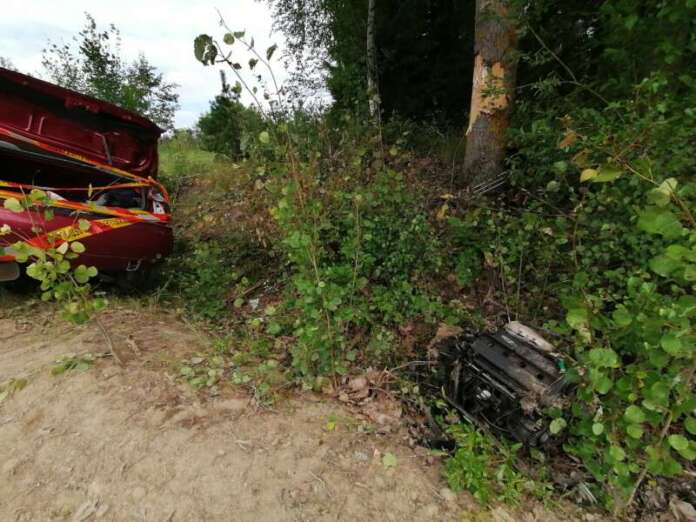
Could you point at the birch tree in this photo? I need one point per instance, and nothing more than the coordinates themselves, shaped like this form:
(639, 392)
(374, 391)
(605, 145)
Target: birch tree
(372, 79)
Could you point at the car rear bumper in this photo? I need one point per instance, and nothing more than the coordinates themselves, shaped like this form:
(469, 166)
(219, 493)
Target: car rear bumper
(112, 244)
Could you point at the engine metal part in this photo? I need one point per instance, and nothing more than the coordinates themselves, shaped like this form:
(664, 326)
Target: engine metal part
(505, 381)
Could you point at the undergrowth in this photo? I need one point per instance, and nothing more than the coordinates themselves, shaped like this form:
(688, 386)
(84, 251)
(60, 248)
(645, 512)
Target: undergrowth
(352, 245)
(489, 471)
(334, 245)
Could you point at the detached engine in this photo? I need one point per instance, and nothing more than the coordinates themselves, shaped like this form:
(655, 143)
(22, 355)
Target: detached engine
(504, 381)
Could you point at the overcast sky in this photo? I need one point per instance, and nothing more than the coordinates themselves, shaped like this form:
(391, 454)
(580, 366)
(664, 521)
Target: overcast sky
(162, 29)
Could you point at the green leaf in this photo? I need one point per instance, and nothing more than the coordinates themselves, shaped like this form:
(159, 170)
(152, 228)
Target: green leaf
(84, 274)
(662, 195)
(690, 425)
(631, 21)
(84, 225)
(607, 173)
(604, 358)
(621, 316)
(557, 425)
(678, 442)
(635, 431)
(598, 428)
(200, 44)
(690, 273)
(560, 166)
(634, 414)
(658, 395)
(274, 328)
(689, 452)
(264, 137)
(204, 49)
(661, 222)
(389, 460)
(588, 175)
(671, 467)
(617, 454)
(270, 51)
(603, 385)
(671, 344)
(663, 265)
(228, 38)
(77, 247)
(578, 319)
(13, 205)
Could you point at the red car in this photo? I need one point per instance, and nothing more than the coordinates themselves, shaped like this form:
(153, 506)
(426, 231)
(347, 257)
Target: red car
(98, 165)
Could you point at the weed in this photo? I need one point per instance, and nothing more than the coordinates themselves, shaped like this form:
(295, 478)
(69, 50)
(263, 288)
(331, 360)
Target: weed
(487, 471)
(202, 372)
(9, 388)
(78, 363)
(203, 280)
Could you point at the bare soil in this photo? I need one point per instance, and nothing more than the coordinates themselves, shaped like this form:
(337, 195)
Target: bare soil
(131, 442)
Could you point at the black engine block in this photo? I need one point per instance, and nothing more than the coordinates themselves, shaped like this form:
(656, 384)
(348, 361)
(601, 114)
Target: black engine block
(505, 381)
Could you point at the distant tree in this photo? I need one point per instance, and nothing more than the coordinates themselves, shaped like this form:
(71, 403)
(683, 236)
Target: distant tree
(92, 64)
(219, 128)
(222, 128)
(6, 63)
(422, 54)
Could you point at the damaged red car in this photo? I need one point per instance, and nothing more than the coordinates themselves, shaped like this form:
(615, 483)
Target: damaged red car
(98, 165)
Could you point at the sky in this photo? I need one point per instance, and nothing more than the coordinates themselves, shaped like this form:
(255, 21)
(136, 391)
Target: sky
(163, 30)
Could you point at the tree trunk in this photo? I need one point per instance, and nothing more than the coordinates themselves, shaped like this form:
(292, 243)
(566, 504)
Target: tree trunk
(372, 82)
(495, 67)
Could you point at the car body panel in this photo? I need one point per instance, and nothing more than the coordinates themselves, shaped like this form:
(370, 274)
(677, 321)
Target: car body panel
(78, 124)
(97, 163)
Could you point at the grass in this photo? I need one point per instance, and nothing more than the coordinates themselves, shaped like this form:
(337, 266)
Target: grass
(180, 156)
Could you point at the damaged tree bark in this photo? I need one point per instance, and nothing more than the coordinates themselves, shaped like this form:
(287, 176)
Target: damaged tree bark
(495, 66)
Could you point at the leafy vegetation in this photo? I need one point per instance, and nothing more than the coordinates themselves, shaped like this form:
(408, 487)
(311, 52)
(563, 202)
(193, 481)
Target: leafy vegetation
(593, 239)
(53, 267)
(76, 363)
(488, 472)
(228, 126)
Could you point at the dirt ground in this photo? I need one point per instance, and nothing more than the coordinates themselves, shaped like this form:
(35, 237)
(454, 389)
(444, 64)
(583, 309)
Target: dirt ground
(117, 443)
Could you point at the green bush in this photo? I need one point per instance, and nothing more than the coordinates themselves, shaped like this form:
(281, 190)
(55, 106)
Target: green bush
(202, 276)
(488, 471)
(596, 239)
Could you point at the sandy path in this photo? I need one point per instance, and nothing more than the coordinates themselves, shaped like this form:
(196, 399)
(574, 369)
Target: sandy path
(131, 443)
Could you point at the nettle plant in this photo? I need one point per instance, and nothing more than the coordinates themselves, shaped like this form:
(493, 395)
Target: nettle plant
(53, 267)
(636, 351)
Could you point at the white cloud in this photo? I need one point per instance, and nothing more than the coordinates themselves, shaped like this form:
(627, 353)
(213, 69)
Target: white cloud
(161, 29)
